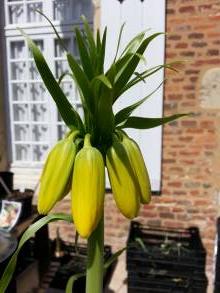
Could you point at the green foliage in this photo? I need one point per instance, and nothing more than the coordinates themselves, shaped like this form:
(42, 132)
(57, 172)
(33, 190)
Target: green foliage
(99, 90)
(9, 271)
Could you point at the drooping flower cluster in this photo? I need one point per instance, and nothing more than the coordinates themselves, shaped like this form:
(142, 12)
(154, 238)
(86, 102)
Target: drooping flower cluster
(82, 174)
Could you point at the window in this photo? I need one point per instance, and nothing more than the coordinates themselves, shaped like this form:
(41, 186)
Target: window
(139, 15)
(34, 121)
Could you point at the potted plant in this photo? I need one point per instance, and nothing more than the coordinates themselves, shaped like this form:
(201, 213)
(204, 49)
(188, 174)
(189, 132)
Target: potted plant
(77, 163)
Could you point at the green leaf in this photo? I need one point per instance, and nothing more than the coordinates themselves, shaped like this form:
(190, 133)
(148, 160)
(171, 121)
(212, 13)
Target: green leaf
(117, 68)
(130, 67)
(66, 110)
(63, 76)
(7, 275)
(84, 55)
(146, 123)
(141, 243)
(82, 81)
(145, 74)
(53, 27)
(101, 54)
(119, 41)
(103, 79)
(98, 40)
(90, 38)
(126, 112)
(72, 279)
(113, 258)
(132, 46)
(105, 117)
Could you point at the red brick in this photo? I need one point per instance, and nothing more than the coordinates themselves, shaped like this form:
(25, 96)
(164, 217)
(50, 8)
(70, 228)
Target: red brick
(189, 123)
(174, 37)
(199, 44)
(195, 35)
(213, 52)
(166, 215)
(181, 45)
(187, 9)
(175, 184)
(173, 224)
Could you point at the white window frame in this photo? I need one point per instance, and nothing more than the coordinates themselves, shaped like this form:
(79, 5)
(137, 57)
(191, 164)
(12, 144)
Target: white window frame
(38, 31)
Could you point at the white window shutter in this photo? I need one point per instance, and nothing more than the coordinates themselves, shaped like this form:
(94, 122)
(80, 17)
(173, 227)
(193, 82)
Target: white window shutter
(138, 16)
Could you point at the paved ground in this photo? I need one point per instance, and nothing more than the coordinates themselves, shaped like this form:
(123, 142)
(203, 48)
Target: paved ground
(118, 282)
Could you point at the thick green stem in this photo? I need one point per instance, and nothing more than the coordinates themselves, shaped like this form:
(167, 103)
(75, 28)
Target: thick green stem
(95, 262)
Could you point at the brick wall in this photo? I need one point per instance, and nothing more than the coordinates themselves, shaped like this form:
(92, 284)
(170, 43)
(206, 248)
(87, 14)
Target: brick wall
(191, 146)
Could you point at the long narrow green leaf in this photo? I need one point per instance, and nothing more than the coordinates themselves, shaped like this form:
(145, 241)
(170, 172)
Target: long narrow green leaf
(116, 68)
(7, 275)
(145, 74)
(101, 54)
(132, 46)
(67, 112)
(63, 76)
(84, 55)
(90, 38)
(119, 41)
(56, 32)
(113, 258)
(146, 123)
(82, 81)
(127, 111)
(130, 67)
(71, 281)
(103, 79)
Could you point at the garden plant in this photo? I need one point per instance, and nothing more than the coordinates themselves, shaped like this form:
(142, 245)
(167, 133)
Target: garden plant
(98, 140)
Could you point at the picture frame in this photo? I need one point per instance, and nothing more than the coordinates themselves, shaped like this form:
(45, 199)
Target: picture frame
(9, 215)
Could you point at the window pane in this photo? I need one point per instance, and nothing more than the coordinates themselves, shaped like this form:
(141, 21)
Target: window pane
(61, 68)
(32, 14)
(37, 91)
(62, 10)
(40, 45)
(61, 131)
(71, 10)
(33, 72)
(39, 112)
(18, 71)
(39, 133)
(20, 112)
(17, 50)
(16, 13)
(21, 132)
(19, 91)
(22, 152)
(59, 50)
(39, 152)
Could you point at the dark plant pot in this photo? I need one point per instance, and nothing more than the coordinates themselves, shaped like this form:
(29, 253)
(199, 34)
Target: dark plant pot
(74, 262)
(165, 260)
(8, 180)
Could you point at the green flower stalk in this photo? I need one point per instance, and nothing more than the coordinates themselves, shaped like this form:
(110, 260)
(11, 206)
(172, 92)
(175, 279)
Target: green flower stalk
(79, 168)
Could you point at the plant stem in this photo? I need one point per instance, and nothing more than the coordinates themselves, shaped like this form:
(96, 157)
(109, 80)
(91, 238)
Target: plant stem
(95, 262)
